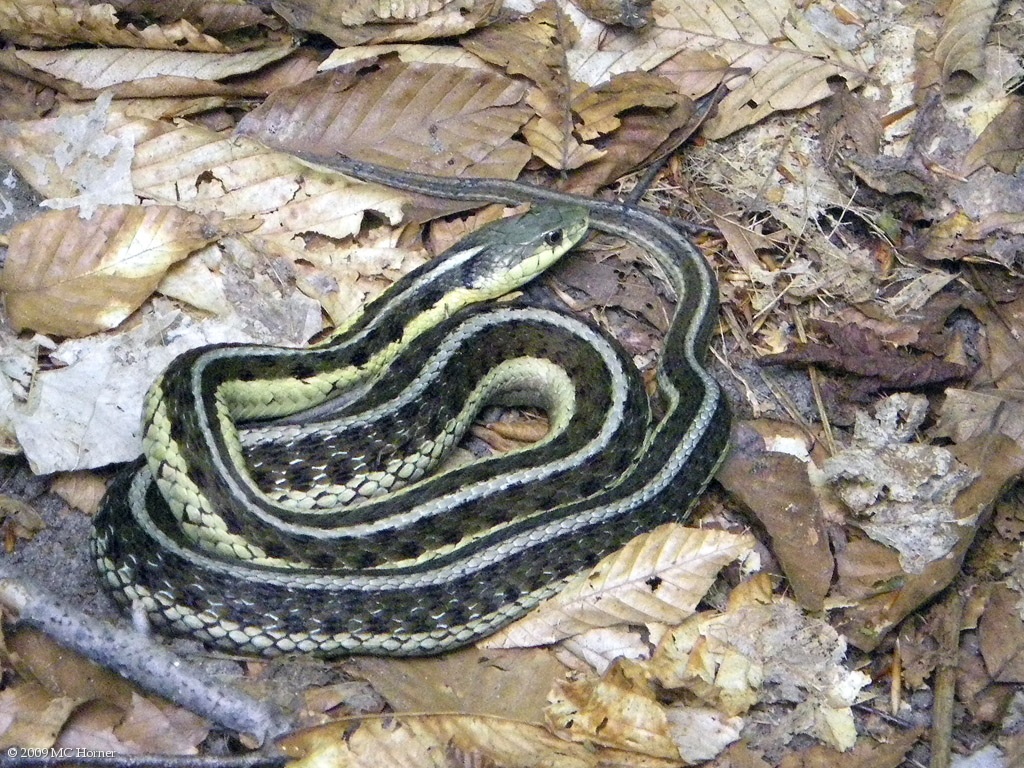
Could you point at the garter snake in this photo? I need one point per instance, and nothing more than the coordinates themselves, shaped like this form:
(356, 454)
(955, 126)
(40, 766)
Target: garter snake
(205, 550)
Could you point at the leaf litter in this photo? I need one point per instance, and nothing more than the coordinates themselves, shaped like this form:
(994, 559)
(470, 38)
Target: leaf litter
(862, 170)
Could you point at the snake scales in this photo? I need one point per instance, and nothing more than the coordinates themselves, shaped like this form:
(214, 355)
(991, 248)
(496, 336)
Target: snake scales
(223, 533)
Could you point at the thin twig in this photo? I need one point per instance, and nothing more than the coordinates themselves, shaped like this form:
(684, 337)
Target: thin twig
(945, 680)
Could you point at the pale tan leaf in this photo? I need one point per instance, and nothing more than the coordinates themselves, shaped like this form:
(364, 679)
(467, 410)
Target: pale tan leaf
(549, 143)
(603, 52)
(658, 577)
(620, 710)
(47, 24)
(782, 80)
(82, 490)
(370, 21)
(789, 60)
(71, 277)
(418, 116)
(438, 741)
(422, 53)
(702, 733)
(134, 72)
(194, 282)
(961, 44)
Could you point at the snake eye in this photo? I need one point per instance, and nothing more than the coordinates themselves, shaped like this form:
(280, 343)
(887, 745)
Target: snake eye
(554, 237)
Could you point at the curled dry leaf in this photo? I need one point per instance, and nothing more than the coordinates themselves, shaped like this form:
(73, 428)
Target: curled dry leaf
(658, 577)
(901, 493)
(72, 277)
(370, 21)
(47, 24)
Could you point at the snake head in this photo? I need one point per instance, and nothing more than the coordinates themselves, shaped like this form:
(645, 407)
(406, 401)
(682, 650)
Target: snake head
(511, 252)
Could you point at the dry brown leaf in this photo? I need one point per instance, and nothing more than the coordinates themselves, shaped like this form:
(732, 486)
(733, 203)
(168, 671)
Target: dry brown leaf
(777, 490)
(127, 72)
(630, 13)
(215, 18)
(694, 73)
(424, 117)
(1001, 635)
(434, 741)
(72, 277)
(967, 415)
(648, 104)
(658, 577)
(533, 46)
(64, 674)
(510, 684)
(161, 728)
(961, 44)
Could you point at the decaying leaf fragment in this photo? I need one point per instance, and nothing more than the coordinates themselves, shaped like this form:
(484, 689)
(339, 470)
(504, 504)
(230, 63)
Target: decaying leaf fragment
(72, 277)
(763, 649)
(902, 493)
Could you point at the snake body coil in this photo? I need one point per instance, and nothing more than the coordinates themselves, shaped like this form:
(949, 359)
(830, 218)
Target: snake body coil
(222, 534)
